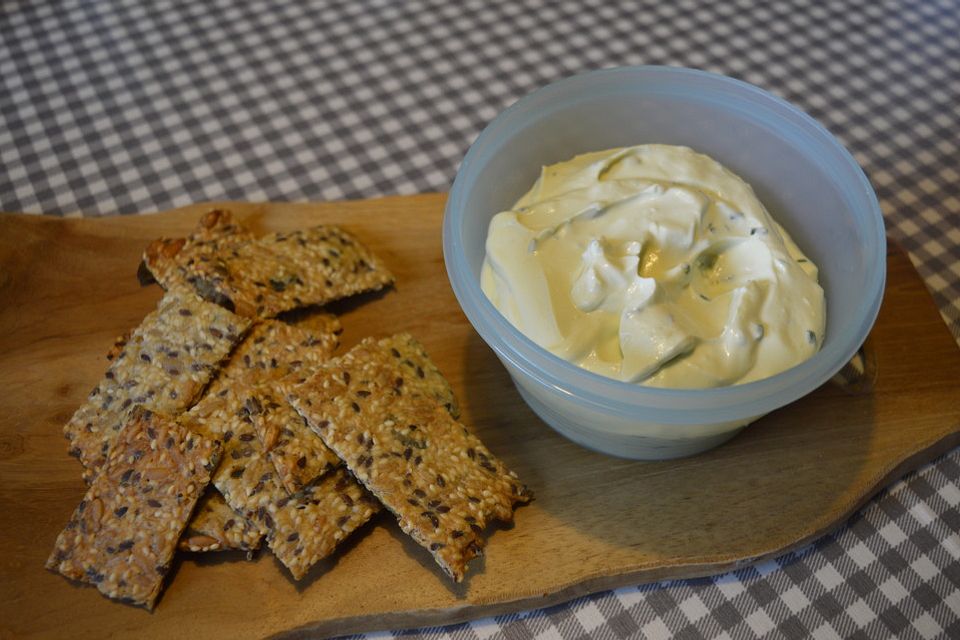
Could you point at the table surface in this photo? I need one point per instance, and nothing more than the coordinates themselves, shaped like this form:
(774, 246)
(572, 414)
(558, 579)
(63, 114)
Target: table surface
(130, 107)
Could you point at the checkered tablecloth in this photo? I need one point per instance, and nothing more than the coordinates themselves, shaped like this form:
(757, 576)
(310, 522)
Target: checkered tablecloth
(135, 106)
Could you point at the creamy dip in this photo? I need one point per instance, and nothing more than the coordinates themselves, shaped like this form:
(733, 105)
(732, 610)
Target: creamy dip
(654, 264)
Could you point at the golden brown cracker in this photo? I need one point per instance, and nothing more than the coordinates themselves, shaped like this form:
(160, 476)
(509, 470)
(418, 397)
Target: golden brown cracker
(400, 441)
(124, 532)
(245, 477)
(307, 527)
(298, 454)
(404, 367)
(164, 365)
(169, 260)
(251, 485)
(274, 350)
(262, 277)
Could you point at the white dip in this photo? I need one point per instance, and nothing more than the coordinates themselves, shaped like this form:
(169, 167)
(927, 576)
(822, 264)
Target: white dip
(654, 264)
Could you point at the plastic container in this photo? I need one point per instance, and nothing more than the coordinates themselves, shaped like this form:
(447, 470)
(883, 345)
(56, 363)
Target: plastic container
(805, 178)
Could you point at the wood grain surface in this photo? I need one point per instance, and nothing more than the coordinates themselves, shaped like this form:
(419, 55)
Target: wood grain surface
(68, 287)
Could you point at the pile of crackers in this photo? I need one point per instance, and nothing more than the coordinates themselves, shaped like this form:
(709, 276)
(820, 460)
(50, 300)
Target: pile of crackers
(219, 426)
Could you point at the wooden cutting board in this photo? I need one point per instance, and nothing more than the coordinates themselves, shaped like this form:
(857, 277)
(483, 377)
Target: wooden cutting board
(68, 287)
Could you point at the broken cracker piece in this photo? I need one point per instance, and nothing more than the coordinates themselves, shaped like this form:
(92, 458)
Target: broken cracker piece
(275, 351)
(402, 366)
(168, 260)
(266, 276)
(216, 527)
(164, 365)
(245, 477)
(124, 532)
(297, 453)
(251, 486)
(284, 271)
(307, 527)
(443, 485)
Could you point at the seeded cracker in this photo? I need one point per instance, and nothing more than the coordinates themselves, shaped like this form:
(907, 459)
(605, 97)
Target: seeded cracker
(124, 532)
(245, 477)
(249, 484)
(164, 365)
(271, 351)
(265, 276)
(298, 455)
(216, 527)
(306, 528)
(437, 478)
(274, 351)
(168, 260)
(406, 368)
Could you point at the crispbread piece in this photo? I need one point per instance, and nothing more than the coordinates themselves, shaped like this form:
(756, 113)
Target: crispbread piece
(245, 477)
(274, 351)
(164, 365)
(250, 485)
(307, 527)
(169, 260)
(402, 444)
(402, 365)
(124, 532)
(243, 403)
(298, 454)
(276, 273)
(216, 527)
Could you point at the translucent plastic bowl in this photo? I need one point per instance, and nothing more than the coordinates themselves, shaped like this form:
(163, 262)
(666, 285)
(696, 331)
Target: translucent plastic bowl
(806, 179)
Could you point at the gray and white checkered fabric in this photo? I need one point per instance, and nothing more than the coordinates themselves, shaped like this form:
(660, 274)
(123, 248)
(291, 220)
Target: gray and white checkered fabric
(128, 107)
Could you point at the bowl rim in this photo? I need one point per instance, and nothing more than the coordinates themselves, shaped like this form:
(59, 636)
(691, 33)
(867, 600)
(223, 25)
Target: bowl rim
(630, 400)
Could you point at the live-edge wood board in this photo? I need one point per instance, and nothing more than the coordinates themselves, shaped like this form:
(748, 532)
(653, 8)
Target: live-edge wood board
(68, 287)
